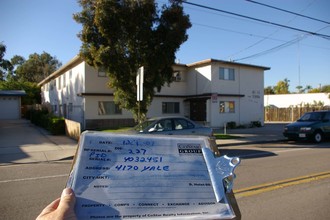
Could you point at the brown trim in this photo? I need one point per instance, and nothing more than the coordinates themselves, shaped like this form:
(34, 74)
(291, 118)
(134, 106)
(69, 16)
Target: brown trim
(208, 61)
(187, 97)
(94, 94)
(205, 95)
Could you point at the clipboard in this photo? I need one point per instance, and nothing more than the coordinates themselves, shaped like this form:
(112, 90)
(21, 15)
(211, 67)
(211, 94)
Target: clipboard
(121, 176)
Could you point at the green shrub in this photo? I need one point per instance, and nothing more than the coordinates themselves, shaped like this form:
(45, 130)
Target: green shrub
(56, 125)
(37, 117)
(231, 125)
(255, 124)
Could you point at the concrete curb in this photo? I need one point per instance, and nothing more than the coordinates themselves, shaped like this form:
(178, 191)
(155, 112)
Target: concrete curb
(249, 142)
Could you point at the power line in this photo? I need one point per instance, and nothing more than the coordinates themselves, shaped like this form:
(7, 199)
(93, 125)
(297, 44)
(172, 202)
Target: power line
(274, 48)
(289, 43)
(291, 12)
(260, 41)
(251, 35)
(237, 32)
(259, 20)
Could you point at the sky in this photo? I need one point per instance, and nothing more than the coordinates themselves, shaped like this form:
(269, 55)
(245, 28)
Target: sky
(37, 26)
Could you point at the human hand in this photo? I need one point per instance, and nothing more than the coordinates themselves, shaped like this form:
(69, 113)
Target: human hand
(61, 208)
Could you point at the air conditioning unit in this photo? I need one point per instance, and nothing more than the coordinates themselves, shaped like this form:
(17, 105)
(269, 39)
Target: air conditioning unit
(177, 76)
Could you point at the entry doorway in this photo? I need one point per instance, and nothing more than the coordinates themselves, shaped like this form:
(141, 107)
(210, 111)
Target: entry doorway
(198, 110)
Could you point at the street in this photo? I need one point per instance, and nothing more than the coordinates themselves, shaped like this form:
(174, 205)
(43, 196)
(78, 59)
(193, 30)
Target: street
(263, 166)
(26, 188)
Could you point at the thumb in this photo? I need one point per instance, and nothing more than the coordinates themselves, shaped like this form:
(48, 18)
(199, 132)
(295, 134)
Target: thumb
(67, 202)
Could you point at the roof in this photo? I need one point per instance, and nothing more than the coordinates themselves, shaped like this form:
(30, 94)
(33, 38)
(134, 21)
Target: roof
(62, 69)
(209, 61)
(12, 93)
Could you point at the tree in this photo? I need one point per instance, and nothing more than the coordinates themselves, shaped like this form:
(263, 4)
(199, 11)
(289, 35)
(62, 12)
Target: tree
(5, 65)
(31, 89)
(269, 90)
(121, 36)
(308, 88)
(325, 88)
(282, 87)
(300, 89)
(36, 68)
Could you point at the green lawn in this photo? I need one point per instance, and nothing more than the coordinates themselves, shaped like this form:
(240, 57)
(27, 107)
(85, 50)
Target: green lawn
(226, 136)
(117, 129)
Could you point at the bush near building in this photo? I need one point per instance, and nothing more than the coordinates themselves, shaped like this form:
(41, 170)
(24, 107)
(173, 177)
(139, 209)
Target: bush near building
(42, 118)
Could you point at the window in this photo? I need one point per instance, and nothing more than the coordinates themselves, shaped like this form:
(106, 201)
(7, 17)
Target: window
(52, 84)
(227, 74)
(59, 82)
(170, 107)
(182, 124)
(108, 108)
(70, 107)
(164, 125)
(54, 107)
(64, 79)
(227, 107)
(101, 72)
(327, 116)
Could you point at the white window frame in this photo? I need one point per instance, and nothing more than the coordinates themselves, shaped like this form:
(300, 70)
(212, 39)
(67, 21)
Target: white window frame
(227, 73)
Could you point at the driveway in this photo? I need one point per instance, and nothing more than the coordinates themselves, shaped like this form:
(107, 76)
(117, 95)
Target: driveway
(22, 142)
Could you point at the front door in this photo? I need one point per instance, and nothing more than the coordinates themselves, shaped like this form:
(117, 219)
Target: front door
(198, 110)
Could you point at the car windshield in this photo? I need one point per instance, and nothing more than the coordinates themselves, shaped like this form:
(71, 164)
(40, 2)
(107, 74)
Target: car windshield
(143, 125)
(312, 116)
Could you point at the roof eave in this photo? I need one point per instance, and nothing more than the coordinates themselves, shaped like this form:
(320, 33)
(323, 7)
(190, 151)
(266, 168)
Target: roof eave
(209, 61)
(63, 68)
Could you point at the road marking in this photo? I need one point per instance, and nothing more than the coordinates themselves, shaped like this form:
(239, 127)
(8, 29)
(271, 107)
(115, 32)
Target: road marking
(255, 190)
(33, 178)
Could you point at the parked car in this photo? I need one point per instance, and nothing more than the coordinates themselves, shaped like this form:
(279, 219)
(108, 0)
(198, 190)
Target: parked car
(311, 126)
(173, 125)
(176, 125)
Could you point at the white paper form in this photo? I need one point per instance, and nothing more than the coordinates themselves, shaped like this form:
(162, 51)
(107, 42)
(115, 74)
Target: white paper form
(118, 176)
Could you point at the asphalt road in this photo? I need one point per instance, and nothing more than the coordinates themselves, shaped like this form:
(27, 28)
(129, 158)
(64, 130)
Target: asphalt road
(280, 180)
(25, 189)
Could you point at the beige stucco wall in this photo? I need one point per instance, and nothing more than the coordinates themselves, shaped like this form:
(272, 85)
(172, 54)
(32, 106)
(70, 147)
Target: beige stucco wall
(95, 83)
(155, 110)
(199, 80)
(91, 108)
(249, 83)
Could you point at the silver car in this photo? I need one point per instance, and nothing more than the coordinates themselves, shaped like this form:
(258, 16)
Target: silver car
(175, 125)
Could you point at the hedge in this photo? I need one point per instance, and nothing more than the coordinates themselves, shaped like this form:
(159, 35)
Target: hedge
(55, 125)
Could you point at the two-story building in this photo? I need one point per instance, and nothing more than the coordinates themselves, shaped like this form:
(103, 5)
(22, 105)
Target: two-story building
(210, 91)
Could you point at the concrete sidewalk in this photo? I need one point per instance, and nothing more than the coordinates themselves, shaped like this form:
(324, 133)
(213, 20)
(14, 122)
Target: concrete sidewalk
(270, 132)
(22, 142)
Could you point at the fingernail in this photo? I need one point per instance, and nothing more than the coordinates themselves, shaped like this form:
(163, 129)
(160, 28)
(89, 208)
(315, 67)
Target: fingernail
(67, 191)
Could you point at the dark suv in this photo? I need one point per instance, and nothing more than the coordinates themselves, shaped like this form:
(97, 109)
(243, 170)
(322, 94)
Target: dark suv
(312, 125)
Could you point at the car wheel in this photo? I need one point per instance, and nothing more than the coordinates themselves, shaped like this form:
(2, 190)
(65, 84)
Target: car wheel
(318, 137)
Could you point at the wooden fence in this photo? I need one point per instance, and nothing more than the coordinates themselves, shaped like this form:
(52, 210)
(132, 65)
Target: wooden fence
(288, 114)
